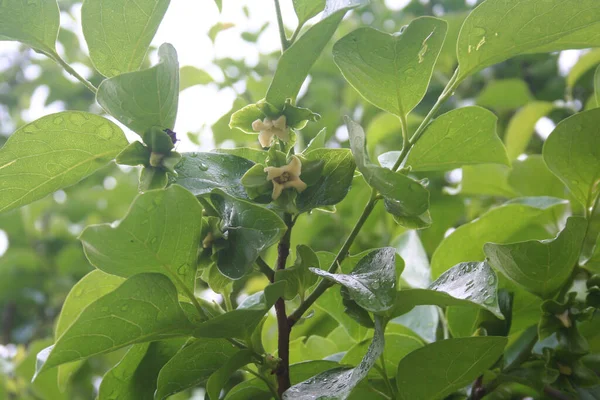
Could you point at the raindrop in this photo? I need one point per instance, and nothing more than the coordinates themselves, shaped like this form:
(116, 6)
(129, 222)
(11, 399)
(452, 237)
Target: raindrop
(202, 166)
(58, 120)
(181, 269)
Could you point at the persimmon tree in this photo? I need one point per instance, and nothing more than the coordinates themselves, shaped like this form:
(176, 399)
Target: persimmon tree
(387, 279)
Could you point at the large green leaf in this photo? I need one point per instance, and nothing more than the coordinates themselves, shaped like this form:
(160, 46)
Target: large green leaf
(306, 9)
(296, 62)
(541, 267)
(220, 377)
(372, 283)
(460, 137)
(500, 29)
(531, 177)
(572, 152)
(54, 152)
(472, 284)
(597, 85)
(519, 219)
(160, 233)
(192, 365)
(248, 230)
(89, 289)
(392, 71)
(522, 125)
(200, 173)
(35, 23)
(586, 63)
(147, 98)
(438, 369)
(417, 272)
(409, 196)
(144, 308)
(505, 94)
(136, 374)
(338, 383)
(118, 33)
(298, 278)
(242, 321)
(334, 182)
(486, 180)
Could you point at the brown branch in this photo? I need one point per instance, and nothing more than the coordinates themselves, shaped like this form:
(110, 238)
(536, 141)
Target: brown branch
(283, 327)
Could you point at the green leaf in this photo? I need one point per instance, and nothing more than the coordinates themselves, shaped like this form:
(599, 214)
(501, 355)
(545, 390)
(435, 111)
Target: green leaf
(243, 320)
(296, 117)
(334, 183)
(505, 94)
(54, 152)
(248, 229)
(338, 383)
(515, 220)
(23, 369)
(498, 30)
(396, 348)
(312, 348)
(408, 196)
(392, 71)
(220, 377)
(522, 125)
(460, 137)
(331, 302)
(193, 365)
(147, 98)
(486, 180)
(306, 9)
(119, 33)
(438, 369)
(586, 63)
(34, 23)
(597, 85)
(144, 308)
(531, 177)
(200, 173)
(541, 267)
(372, 283)
(298, 277)
(160, 233)
(417, 272)
(572, 152)
(296, 62)
(135, 376)
(472, 284)
(191, 76)
(317, 142)
(89, 289)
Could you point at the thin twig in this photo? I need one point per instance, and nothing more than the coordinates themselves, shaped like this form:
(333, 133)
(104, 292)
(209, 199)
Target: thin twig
(284, 42)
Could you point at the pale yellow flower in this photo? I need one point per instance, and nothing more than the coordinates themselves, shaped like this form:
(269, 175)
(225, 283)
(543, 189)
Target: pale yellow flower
(286, 177)
(269, 128)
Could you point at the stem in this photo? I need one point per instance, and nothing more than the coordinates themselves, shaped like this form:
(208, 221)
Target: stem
(386, 379)
(295, 34)
(341, 255)
(284, 42)
(555, 394)
(71, 71)
(265, 269)
(265, 380)
(283, 326)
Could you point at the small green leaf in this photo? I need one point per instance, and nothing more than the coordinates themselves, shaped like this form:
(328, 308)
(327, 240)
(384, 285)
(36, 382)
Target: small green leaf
(135, 376)
(218, 28)
(407, 197)
(298, 277)
(586, 63)
(597, 85)
(55, 152)
(296, 117)
(191, 76)
(306, 9)
(220, 377)
(520, 219)
(34, 23)
(144, 308)
(572, 152)
(318, 142)
(417, 272)
(248, 229)
(147, 98)
(438, 369)
(392, 71)
(119, 33)
(334, 181)
(160, 234)
(242, 321)
(496, 29)
(522, 125)
(472, 284)
(336, 384)
(200, 173)
(296, 62)
(396, 348)
(193, 365)
(460, 137)
(541, 267)
(89, 289)
(372, 283)
(505, 94)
